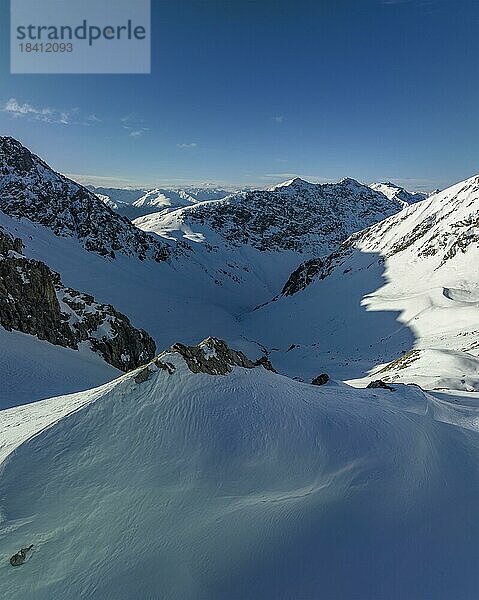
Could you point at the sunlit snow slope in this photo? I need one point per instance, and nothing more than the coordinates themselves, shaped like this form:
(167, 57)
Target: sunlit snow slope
(244, 485)
(404, 291)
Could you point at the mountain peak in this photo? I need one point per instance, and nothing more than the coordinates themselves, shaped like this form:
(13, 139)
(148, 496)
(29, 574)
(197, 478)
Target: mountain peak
(350, 182)
(15, 156)
(295, 182)
(31, 189)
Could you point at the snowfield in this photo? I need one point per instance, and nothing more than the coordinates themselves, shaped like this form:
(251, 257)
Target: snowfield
(33, 369)
(398, 300)
(247, 485)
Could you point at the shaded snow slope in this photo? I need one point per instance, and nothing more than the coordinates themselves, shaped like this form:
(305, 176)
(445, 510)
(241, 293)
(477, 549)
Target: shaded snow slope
(244, 485)
(407, 283)
(32, 369)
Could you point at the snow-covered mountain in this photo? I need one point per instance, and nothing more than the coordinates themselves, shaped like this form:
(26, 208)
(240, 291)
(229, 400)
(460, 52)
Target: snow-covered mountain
(296, 215)
(30, 189)
(137, 203)
(201, 477)
(399, 299)
(396, 192)
(251, 241)
(118, 195)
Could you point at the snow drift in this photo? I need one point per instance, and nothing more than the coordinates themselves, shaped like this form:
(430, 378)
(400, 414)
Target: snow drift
(171, 484)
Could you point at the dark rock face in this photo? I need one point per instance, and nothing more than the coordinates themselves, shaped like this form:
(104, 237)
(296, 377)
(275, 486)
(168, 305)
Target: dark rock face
(316, 268)
(28, 300)
(379, 383)
(266, 363)
(211, 356)
(30, 189)
(320, 379)
(33, 300)
(20, 557)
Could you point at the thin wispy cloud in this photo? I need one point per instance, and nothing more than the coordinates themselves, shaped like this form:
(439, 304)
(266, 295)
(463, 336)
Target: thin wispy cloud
(93, 119)
(134, 125)
(34, 113)
(424, 6)
(278, 118)
(137, 132)
(279, 175)
(190, 145)
(100, 180)
(47, 114)
(131, 119)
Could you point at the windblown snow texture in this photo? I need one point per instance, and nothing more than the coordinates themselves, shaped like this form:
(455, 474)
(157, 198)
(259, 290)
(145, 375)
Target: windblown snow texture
(240, 485)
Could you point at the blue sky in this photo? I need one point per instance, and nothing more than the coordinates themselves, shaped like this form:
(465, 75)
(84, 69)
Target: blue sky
(255, 92)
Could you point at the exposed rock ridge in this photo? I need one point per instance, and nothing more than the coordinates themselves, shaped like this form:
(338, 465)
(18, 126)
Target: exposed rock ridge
(30, 189)
(211, 356)
(34, 301)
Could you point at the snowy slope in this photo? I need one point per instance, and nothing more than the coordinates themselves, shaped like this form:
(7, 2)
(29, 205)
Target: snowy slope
(409, 283)
(255, 239)
(396, 192)
(251, 486)
(296, 215)
(33, 369)
(137, 203)
(30, 189)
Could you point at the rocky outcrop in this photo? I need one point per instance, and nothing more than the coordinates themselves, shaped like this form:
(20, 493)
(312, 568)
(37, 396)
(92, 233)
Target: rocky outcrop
(34, 301)
(266, 363)
(21, 556)
(320, 379)
(316, 268)
(380, 384)
(211, 356)
(30, 189)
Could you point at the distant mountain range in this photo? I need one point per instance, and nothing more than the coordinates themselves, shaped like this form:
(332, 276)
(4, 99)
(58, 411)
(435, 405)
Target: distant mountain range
(134, 203)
